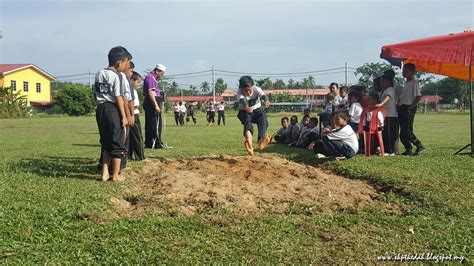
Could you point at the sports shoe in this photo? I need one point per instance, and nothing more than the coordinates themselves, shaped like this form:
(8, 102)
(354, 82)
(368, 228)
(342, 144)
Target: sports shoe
(407, 153)
(320, 156)
(420, 149)
(248, 146)
(341, 158)
(264, 142)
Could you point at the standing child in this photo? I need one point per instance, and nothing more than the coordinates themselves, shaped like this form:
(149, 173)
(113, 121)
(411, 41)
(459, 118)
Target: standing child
(176, 113)
(410, 97)
(181, 113)
(367, 115)
(221, 114)
(251, 111)
(211, 113)
(340, 142)
(136, 137)
(110, 113)
(388, 100)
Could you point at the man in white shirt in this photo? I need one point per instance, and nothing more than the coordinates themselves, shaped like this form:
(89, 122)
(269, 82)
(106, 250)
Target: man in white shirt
(251, 111)
(409, 99)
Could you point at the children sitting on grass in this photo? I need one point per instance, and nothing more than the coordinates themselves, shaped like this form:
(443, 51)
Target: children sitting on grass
(340, 141)
(309, 135)
(293, 131)
(282, 133)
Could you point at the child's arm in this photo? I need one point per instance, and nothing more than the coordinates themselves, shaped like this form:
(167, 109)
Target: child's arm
(123, 115)
(385, 100)
(131, 107)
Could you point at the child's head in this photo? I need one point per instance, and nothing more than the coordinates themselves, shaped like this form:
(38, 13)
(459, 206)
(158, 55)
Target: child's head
(246, 85)
(334, 88)
(343, 91)
(386, 81)
(358, 88)
(332, 120)
(354, 96)
(313, 122)
(129, 72)
(136, 79)
(119, 58)
(307, 112)
(378, 84)
(284, 122)
(408, 70)
(372, 99)
(222, 102)
(306, 120)
(329, 97)
(341, 118)
(294, 120)
(180, 103)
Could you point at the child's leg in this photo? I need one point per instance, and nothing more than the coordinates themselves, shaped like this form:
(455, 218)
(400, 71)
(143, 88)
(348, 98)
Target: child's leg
(105, 166)
(246, 120)
(116, 165)
(260, 118)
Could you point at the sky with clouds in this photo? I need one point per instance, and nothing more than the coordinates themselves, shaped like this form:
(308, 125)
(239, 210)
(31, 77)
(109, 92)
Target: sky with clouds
(71, 37)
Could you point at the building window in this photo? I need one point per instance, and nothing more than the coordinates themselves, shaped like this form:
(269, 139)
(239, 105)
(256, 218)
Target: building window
(38, 87)
(25, 86)
(13, 85)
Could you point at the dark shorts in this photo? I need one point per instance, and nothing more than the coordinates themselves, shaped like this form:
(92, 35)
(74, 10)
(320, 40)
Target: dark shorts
(112, 134)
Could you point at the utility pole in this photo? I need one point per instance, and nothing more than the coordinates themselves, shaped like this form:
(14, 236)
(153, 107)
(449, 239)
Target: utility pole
(90, 80)
(213, 85)
(345, 72)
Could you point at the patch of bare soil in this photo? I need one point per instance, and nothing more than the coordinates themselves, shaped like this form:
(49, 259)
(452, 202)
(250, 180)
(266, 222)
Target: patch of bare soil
(242, 184)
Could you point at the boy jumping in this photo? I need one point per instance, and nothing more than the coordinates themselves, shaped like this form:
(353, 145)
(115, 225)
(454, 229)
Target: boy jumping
(250, 111)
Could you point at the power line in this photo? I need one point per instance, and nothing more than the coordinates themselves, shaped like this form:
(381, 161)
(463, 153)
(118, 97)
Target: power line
(75, 75)
(279, 74)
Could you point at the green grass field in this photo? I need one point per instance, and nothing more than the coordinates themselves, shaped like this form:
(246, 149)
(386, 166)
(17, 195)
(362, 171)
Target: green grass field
(48, 180)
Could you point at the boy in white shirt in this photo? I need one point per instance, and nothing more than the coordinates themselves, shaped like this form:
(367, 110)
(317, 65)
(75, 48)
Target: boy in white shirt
(181, 113)
(251, 111)
(136, 137)
(409, 98)
(340, 142)
(221, 114)
(389, 100)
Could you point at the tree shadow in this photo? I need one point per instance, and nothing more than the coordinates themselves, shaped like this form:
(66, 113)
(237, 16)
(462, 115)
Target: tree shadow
(59, 167)
(86, 145)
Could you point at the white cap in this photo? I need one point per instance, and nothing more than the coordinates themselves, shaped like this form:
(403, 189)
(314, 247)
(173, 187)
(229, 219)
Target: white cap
(161, 67)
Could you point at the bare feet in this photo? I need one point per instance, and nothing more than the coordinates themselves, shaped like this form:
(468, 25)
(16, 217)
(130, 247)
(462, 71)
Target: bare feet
(248, 146)
(105, 177)
(264, 142)
(118, 178)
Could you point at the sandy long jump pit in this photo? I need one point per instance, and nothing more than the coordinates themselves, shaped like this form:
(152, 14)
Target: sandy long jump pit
(243, 184)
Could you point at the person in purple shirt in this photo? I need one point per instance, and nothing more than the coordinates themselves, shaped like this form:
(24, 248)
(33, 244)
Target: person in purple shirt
(153, 97)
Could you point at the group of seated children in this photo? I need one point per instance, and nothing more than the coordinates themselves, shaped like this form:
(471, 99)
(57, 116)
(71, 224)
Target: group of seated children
(343, 117)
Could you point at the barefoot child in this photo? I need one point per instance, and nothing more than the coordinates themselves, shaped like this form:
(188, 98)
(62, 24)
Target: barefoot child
(251, 111)
(136, 137)
(110, 113)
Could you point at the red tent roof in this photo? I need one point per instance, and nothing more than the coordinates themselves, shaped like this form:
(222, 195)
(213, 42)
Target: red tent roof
(448, 55)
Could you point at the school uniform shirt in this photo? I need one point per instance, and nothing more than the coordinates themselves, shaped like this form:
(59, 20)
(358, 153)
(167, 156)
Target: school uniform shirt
(136, 102)
(368, 118)
(347, 135)
(211, 108)
(220, 107)
(355, 110)
(337, 100)
(329, 107)
(182, 109)
(282, 131)
(344, 101)
(398, 91)
(176, 108)
(107, 86)
(126, 88)
(252, 100)
(391, 105)
(409, 92)
(293, 131)
(314, 130)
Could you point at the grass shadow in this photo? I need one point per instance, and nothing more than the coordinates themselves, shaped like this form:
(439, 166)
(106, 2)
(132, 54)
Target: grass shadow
(59, 167)
(85, 145)
(299, 155)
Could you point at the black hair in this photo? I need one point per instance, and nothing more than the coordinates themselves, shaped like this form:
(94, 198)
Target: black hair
(294, 117)
(117, 54)
(135, 76)
(344, 88)
(358, 88)
(355, 94)
(374, 96)
(410, 66)
(245, 81)
(180, 103)
(334, 83)
(132, 65)
(344, 114)
(329, 96)
(389, 74)
(284, 118)
(314, 120)
(377, 82)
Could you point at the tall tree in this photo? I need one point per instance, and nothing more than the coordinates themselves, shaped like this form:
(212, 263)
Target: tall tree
(205, 87)
(221, 86)
(279, 84)
(291, 84)
(265, 83)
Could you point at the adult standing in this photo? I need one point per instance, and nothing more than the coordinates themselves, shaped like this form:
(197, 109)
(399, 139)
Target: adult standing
(221, 113)
(153, 97)
(409, 99)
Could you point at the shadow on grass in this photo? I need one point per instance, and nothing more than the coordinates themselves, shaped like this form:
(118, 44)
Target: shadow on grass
(299, 155)
(86, 145)
(60, 167)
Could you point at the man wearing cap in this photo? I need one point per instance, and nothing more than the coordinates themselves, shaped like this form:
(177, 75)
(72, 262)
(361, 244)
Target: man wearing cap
(153, 97)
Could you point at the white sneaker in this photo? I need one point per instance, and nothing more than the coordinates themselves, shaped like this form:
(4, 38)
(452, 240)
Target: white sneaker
(319, 155)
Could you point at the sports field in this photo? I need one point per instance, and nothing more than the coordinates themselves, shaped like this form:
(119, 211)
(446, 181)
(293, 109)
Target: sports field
(204, 201)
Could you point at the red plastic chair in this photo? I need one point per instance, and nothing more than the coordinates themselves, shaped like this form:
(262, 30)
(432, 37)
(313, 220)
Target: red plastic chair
(373, 129)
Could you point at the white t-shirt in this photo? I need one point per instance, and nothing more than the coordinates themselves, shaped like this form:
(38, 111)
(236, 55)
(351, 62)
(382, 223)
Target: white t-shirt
(347, 135)
(368, 118)
(176, 108)
(220, 107)
(182, 109)
(126, 88)
(107, 86)
(252, 100)
(329, 107)
(355, 110)
(344, 101)
(391, 105)
(409, 92)
(136, 102)
(337, 100)
(398, 91)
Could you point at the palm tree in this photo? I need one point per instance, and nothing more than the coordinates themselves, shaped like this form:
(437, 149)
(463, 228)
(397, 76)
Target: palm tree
(205, 87)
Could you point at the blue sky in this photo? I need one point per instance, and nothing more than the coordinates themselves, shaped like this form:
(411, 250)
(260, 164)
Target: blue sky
(71, 37)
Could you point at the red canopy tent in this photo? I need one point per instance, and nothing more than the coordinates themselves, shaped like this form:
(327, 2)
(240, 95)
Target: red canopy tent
(450, 55)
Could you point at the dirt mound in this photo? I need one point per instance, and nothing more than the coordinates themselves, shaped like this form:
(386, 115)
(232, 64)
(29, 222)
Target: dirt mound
(243, 184)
